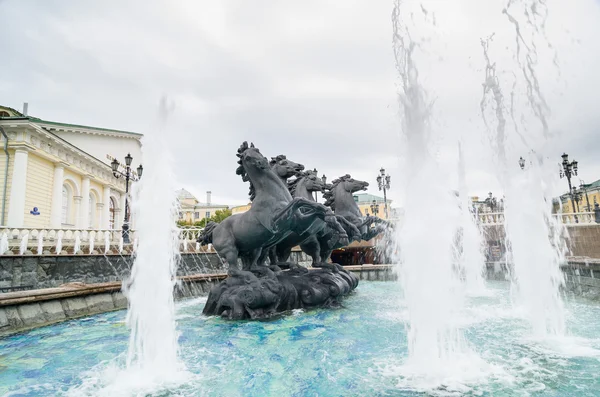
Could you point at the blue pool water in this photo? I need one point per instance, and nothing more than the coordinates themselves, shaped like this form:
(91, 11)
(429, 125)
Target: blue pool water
(359, 350)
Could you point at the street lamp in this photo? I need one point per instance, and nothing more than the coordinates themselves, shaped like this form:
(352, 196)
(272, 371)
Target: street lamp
(324, 179)
(491, 202)
(374, 208)
(383, 182)
(568, 170)
(587, 199)
(128, 174)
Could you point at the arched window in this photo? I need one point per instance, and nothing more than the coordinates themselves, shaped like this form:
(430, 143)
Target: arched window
(66, 198)
(92, 211)
(4, 114)
(112, 206)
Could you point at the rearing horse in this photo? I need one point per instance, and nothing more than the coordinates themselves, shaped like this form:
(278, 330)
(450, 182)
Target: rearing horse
(272, 217)
(339, 198)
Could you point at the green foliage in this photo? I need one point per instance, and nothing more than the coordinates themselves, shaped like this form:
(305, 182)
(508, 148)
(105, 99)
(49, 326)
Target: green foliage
(218, 217)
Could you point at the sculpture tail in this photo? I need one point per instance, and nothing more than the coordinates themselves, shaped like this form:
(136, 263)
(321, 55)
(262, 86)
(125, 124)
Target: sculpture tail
(206, 236)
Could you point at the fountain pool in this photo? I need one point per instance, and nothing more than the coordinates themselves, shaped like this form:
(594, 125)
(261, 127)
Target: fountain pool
(351, 351)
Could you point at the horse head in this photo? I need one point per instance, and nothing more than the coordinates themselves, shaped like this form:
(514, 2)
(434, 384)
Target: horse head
(341, 189)
(305, 183)
(285, 168)
(352, 185)
(251, 164)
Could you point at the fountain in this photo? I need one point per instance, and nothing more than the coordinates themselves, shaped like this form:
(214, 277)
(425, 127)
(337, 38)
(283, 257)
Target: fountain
(106, 242)
(4, 243)
(91, 239)
(58, 248)
(77, 244)
(440, 331)
(40, 243)
(23, 245)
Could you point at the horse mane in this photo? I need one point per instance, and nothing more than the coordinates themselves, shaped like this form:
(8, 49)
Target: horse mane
(293, 183)
(275, 160)
(329, 190)
(242, 171)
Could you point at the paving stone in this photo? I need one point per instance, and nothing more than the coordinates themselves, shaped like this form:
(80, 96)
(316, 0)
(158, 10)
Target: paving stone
(74, 307)
(31, 314)
(3, 318)
(119, 300)
(53, 310)
(14, 320)
(99, 303)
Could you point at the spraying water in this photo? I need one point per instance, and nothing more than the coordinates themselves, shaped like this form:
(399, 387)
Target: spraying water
(23, 246)
(77, 244)
(151, 316)
(106, 242)
(58, 248)
(470, 256)
(533, 235)
(40, 243)
(4, 243)
(431, 286)
(92, 244)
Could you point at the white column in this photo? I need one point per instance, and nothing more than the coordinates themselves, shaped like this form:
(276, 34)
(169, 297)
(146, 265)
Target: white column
(16, 209)
(121, 211)
(84, 216)
(56, 210)
(77, 209)
(106, 208)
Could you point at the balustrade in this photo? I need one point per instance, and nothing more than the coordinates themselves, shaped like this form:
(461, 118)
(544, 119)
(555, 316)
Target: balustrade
(99, 241)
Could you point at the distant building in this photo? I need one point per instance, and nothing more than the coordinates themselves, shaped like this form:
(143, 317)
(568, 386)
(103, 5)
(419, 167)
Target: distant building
(590, 193)
(191, 210)
(58, 175)
(240, 209)
(366, 200)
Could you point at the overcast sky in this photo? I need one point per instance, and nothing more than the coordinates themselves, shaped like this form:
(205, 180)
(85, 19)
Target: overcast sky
(314, 80)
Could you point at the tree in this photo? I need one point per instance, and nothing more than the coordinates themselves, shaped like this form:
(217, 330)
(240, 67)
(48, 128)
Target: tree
(220, 215)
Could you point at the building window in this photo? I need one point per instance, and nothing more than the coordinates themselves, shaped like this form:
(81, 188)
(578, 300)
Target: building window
(196, 215)
(181, 215)
(92, 211)
(208, 214)
(4, 114)
(111, 213)
(64, 218)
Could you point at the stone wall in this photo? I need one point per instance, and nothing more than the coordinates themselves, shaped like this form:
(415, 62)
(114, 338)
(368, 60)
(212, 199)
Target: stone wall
(47, 271)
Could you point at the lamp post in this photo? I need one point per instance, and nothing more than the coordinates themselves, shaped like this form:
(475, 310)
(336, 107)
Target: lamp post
(128, 174)
(568, 170)
(383, 182)
(491, 202)
(324, 179)
(374, 208)
(587, 199)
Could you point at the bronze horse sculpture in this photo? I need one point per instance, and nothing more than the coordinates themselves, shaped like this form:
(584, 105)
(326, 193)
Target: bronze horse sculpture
(272, 217)
(260, 291)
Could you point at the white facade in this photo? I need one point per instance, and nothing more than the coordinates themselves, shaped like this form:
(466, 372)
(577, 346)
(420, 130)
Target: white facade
(59, 176)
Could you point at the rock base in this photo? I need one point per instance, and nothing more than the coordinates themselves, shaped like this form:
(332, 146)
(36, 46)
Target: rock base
(264, 292)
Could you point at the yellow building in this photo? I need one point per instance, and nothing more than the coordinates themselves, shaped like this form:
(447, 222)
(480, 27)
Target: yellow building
(58, 176)
(374, 205)
(240, 209)
(191, 210)
(586, 195)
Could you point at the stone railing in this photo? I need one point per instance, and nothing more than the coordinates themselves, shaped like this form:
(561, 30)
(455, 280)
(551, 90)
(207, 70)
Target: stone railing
(21, 241)
(571, 219)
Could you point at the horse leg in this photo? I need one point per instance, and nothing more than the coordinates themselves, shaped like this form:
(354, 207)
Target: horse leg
(231, 256)
(272, 256)
(313, 249)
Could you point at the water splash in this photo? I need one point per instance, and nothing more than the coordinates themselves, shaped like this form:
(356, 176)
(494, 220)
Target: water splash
(91, 238)
(77, 244)
(470, 243)
(23, 246)
(58, 248)
(3, 244)
(106, 242)
(40, 243)
(153, 339)
(432, 288)
(533, 236)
